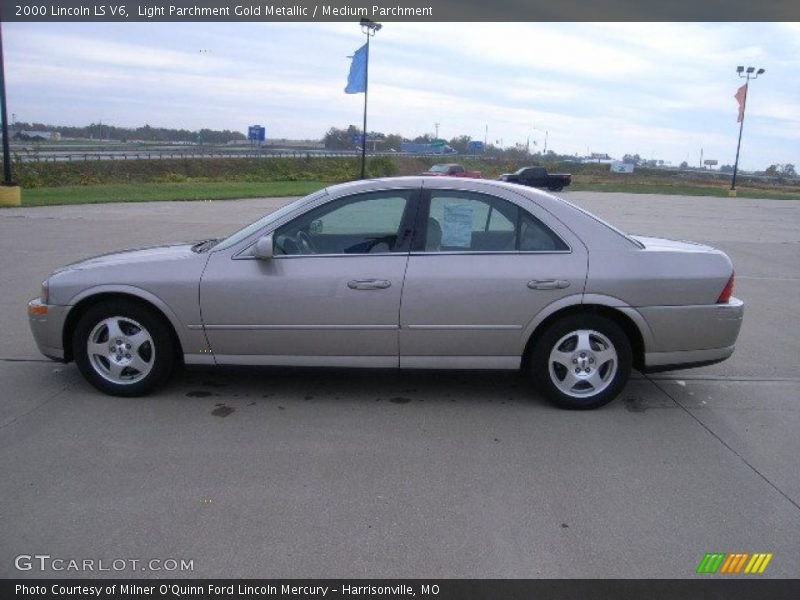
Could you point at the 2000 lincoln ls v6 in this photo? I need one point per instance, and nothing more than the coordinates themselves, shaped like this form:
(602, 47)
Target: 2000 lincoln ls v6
(406, 272)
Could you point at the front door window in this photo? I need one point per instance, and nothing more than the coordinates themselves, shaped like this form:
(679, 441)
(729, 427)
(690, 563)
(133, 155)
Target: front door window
(360, 224)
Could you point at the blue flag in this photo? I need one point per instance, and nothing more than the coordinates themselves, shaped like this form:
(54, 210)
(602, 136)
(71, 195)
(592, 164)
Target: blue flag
(357, 79)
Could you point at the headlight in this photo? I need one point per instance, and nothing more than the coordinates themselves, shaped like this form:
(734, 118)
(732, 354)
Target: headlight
(44, 295)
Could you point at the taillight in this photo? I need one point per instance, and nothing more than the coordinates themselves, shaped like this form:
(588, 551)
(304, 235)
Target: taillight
(727, 292)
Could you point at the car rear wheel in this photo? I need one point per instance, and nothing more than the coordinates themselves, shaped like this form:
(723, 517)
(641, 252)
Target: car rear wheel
(582, 361)
(123, 348)
(556, 188)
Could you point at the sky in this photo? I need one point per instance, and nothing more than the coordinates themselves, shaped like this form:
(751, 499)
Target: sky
(660, 90)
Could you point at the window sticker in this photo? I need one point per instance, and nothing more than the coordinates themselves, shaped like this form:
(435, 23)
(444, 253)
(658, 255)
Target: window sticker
(457, 226)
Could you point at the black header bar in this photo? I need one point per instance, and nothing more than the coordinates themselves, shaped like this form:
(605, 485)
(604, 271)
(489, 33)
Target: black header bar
(400, 10)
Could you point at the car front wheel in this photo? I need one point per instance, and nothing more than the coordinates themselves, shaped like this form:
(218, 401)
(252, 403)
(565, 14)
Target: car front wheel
(582, 361)
(123, 348)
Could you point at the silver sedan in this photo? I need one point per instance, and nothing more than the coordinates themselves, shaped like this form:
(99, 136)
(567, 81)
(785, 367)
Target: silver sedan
(416, 273)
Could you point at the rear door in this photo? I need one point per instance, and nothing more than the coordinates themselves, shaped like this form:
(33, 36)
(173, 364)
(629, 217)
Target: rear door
(481, 268)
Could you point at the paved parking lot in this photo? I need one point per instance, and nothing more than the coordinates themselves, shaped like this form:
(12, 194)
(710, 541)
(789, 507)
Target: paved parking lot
(304, 473)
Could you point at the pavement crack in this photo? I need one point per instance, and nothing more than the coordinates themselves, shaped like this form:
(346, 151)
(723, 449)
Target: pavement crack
(25, 360)
(723, 378)
(724, 443)
(35, 408)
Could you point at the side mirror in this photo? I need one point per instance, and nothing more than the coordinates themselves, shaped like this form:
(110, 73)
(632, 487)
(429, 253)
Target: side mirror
(263, 249)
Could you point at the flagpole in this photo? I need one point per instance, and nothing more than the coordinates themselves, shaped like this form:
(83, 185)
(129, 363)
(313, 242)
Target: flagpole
(364, 131)
(741, 126)
(370, 28)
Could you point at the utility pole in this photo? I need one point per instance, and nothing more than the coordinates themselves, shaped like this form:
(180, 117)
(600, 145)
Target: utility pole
(437, 130)
(546, 133)
(742, 106)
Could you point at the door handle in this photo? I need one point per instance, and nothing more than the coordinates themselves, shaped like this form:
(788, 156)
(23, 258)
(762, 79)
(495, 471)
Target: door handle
(368, 284)
(548, 284)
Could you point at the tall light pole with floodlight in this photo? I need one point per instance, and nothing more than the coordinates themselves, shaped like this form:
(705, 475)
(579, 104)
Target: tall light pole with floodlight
(744, 74)
(7, 179)
(10, 193)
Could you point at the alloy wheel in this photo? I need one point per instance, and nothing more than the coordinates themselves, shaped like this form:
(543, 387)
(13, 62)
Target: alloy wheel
(583, 363)
(121, 350)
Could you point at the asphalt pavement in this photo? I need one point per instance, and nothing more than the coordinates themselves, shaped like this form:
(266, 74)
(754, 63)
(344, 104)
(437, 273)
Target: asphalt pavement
(329, 473)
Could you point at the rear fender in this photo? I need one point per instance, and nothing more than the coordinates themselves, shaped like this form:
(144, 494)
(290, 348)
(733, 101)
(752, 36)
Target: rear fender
(588, 300)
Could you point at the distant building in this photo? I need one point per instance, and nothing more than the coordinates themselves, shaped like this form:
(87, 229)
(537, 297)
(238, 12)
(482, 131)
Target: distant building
(32, 135)
(618, 166)
(598, 157)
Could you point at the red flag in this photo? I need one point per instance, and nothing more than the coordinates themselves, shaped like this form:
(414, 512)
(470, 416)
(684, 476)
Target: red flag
(741, 96)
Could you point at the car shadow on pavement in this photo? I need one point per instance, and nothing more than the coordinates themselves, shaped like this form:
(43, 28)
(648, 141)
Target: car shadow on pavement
(373, 385)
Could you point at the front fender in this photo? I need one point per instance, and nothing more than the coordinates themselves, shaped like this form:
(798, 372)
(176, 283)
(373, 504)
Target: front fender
(190, 335)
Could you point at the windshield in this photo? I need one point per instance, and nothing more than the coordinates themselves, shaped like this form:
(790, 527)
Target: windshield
(438, 169)
(246, 232)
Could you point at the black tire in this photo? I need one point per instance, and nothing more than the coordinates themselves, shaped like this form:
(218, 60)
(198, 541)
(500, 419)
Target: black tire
(559, 335)
(556, 188)
(160, 349)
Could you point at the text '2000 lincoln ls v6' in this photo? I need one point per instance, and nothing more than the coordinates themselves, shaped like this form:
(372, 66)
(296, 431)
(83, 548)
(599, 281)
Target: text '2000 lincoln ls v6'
(419, 272)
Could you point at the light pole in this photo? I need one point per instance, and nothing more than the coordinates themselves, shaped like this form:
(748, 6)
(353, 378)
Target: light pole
(7, 179)
(741, 96)
(10, 193)
(368, 28)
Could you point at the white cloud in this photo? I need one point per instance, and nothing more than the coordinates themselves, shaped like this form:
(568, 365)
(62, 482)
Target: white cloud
(633, 87)
(79, 50)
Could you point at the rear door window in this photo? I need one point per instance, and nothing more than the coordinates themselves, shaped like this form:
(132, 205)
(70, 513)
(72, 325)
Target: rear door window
(461, 221)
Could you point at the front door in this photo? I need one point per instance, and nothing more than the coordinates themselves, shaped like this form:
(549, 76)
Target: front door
(329, 296)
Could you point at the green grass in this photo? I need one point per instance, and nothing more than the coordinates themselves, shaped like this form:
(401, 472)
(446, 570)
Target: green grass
(682, 190)
(149, 192)
(222, 190)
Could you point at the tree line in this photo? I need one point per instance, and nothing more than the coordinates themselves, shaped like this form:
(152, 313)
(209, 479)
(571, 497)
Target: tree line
(146, 133)
(342, 139)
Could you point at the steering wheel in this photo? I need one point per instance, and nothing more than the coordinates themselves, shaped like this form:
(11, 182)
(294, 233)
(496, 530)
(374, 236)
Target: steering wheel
(377, 241)
(304, 242)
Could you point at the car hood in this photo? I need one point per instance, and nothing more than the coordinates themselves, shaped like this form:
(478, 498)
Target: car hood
(663, 244)
(135, 255)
